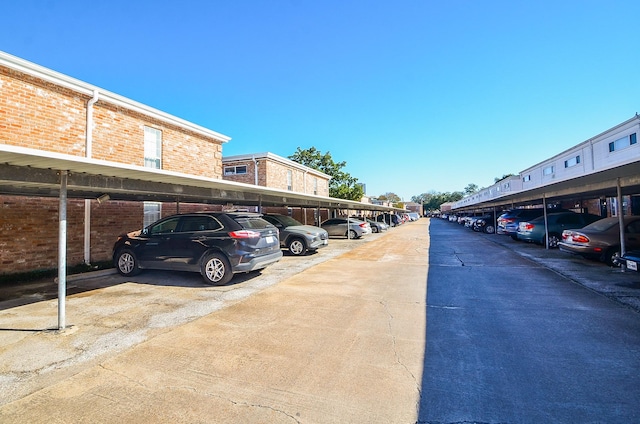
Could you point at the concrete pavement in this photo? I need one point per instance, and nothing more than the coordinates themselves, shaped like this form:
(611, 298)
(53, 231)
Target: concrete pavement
(340, 342)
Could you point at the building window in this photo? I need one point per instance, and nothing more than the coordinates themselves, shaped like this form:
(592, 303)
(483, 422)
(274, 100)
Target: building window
(289, 180)
(526, 178)
(315, 185)
(623, 142)
(548, 170)
(152, 148)
(572, 162)
(235, 170)
(152, 212)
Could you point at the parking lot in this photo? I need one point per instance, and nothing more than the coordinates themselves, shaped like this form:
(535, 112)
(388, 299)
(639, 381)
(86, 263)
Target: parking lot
(114, 321)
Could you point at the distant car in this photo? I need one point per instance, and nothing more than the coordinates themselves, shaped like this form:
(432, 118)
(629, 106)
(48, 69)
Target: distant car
(534, 230)
(296, 237)
(391, 220)
(376, 227)
(215, 244)
(485, 224)
(601, 240)
(414, 216)
(338, 227)
(509, 220)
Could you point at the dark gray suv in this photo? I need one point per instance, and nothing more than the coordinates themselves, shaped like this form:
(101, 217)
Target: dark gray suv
(297, 237)
(215, 244)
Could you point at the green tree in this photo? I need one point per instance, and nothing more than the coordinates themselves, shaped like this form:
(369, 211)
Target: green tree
(342, 185)
(471, 189)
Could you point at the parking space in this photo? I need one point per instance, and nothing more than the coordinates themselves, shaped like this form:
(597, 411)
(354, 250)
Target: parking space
(614, 283)
(108, 313)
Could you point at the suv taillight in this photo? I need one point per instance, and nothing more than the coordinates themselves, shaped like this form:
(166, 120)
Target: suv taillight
(528, 227)
(243, 234)
(364, 224)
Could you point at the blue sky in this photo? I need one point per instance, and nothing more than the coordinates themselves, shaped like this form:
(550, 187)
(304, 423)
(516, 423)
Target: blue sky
(416, 96)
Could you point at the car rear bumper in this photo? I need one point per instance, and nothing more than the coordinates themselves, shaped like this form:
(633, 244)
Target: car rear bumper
(253, 263)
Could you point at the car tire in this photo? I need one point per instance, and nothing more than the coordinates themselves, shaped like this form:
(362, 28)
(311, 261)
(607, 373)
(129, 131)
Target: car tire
(489, 229)
(216, 269)
(554, 239)
(297, 246)
(127, 263)
(352, 234)
(611, 255)
(374, 229)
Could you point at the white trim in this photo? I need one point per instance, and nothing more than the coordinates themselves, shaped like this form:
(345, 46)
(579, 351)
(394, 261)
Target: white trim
(62, 80)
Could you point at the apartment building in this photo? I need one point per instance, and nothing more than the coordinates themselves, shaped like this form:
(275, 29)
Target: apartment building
(46, 111)
(587, 176)
(270, 170)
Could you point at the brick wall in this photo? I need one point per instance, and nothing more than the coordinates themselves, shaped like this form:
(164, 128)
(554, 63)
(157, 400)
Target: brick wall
(40, 115)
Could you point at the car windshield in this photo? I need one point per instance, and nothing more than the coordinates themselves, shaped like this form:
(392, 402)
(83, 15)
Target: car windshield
(287, 221)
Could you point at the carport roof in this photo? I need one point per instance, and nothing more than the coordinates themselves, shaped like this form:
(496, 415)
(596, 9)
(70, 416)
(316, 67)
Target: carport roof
(594, 185)
(30, 172)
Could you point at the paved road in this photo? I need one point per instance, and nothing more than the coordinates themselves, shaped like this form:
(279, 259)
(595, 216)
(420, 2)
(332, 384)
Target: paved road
(509, 341)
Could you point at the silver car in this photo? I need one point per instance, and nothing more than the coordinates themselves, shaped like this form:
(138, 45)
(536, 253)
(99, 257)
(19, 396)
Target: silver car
(337, 227)
(297, 237)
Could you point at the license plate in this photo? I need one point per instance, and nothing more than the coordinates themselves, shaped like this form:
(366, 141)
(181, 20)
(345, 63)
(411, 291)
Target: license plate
(269, 239)
(632, 265)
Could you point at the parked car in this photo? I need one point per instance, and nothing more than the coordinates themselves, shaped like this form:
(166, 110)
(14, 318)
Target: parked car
(485, 223)
(376, 227)
(601, 240)
(338, 227)
(534, 230)
(215, 244)
(414, 216)
(631, 260)
(296, 237)
(509, 220)
(391, 220)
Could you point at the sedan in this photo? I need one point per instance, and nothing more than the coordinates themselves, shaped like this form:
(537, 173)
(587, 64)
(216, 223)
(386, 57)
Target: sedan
(296, 237)
(601, 240)
(534, 230)
(376, 227)
(215, 244)
(338, 227)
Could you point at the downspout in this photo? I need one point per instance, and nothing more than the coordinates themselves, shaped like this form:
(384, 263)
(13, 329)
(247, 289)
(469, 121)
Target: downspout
(87, 202)
(255, 170)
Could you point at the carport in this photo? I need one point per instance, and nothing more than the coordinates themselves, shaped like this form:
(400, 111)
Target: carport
(29, 172)
(611, 183)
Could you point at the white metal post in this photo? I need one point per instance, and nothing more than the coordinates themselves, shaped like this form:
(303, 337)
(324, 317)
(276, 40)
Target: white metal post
(62, 251)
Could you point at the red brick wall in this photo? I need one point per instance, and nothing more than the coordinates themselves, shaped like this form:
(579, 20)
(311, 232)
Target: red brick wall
(40, 115)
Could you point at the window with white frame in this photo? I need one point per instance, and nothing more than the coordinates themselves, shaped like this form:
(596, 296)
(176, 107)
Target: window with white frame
(526, 178)
(152, 148)
(289, 180)
(572, 162)
(235, 170)
(548, 170)
(315, 185)
(623, 142)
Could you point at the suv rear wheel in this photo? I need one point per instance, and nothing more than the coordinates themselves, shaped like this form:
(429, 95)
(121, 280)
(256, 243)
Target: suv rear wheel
(216, 269)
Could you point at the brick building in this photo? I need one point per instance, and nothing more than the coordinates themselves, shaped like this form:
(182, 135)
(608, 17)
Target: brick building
(146, 163)
(270, 170)
(50, 112)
